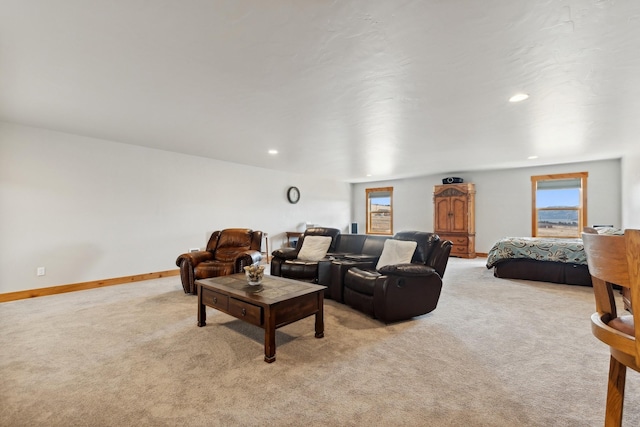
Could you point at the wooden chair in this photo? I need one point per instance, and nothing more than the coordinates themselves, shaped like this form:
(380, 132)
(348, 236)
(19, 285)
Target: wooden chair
(615, 260)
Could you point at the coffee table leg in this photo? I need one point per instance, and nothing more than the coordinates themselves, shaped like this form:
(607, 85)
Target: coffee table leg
(202, 310)
(320, 316)
(270, 337)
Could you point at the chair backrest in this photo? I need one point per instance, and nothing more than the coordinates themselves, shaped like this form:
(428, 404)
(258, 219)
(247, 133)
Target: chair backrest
(349, 243)
(440, 256)
(614, 260)
(213, 241)
(235, 239)
(431, 250)
(321, 231)
(426, 243)
(373, 245)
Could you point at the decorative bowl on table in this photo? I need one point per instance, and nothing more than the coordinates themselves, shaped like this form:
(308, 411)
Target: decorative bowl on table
(255, 274)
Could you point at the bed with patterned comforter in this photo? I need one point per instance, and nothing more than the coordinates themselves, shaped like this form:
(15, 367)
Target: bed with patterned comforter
(541, 259)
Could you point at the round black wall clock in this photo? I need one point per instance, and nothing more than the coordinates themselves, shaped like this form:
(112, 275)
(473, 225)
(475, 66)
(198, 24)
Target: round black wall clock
(293, 194)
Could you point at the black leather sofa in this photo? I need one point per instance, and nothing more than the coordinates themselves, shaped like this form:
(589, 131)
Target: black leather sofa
(353, 248)
(357, 255)
(401, 291)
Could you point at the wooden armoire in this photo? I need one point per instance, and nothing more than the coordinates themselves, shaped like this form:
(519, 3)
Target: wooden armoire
(454, 217)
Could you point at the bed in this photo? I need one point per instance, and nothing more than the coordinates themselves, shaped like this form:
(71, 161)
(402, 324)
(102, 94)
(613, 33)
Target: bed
(543, 259)
(540, 259)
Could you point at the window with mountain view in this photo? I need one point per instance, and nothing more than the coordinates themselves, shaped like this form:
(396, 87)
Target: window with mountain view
(559, 204)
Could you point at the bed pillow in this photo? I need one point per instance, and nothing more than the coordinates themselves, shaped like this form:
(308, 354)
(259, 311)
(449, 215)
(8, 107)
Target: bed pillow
(396, 252)
(314, 248)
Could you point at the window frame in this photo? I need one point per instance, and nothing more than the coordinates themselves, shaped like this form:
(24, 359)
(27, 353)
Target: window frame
(582, 209)
(369, 226)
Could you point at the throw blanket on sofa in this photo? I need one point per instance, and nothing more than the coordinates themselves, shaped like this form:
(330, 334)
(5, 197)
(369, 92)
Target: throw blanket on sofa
(541, 249)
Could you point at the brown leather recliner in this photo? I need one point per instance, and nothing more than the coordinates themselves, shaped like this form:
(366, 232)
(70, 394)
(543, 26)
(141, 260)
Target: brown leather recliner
(400, 292)
(228, 252)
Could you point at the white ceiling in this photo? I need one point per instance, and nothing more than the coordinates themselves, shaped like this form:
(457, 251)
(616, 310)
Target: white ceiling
(341, 89)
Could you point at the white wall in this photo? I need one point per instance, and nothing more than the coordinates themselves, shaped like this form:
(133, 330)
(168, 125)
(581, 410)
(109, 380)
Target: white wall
(89, 209)
(631, 190)
(503, 199)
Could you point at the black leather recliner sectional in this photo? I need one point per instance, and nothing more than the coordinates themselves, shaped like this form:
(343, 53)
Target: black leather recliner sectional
(401, 291)
(394, 293)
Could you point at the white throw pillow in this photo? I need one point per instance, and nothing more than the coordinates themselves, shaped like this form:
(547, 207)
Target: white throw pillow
(314, 248)
(396, 252)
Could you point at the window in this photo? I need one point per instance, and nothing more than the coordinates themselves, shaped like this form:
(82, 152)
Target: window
(379, 210)
(559, 204)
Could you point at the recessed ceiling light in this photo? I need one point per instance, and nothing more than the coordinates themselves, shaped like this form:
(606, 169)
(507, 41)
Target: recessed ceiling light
(273, 151)
(518, 97)
(532, 157)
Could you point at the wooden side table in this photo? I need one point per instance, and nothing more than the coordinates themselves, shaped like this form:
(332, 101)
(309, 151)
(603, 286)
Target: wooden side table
(292, 234)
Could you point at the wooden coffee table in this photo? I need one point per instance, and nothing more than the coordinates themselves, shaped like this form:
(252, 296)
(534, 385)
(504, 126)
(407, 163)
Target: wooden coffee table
(275, 303)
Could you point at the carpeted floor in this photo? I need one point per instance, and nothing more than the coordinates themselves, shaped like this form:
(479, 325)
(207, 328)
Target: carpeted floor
(495, 352)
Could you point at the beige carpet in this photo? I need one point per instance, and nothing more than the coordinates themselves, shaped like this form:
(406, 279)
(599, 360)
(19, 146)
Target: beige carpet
(495, 352)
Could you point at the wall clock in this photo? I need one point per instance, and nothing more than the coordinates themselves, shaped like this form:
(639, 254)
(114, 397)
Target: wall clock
(293, 194)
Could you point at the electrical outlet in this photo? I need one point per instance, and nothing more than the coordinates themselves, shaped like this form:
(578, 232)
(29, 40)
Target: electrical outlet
(194, 250)
(40, 271)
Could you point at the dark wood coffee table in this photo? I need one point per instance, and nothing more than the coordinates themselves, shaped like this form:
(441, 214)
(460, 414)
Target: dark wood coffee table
(275, 303)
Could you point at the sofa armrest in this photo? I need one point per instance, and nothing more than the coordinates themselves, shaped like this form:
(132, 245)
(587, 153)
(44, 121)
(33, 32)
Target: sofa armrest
(363, 258)
(194, 258)
(338, 270)
(336, 255)
(408, 270)
(324, 271)
(256, 256)
(246, 258)
(285, 253)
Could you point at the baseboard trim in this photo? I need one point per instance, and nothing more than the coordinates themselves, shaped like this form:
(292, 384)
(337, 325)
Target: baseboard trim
(481, 254)
(32, 293)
